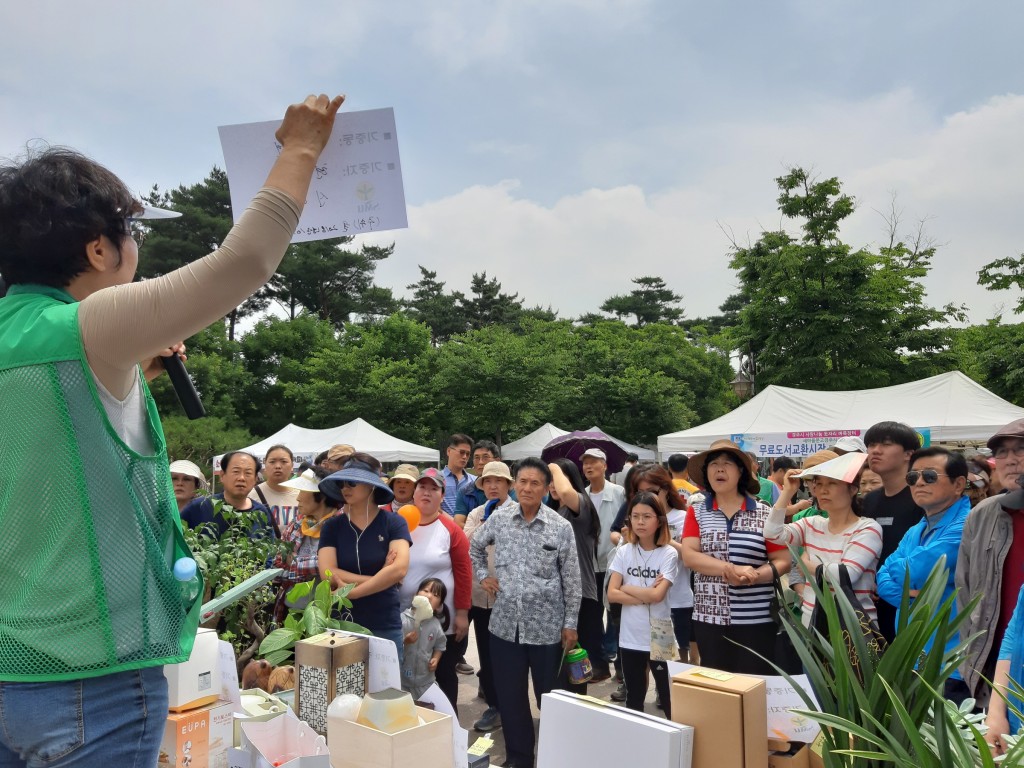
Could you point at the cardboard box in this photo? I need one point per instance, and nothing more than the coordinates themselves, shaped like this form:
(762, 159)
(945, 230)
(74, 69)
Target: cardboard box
(326, 666)
(584, 731)
(426, 746)
(788, 754)
(729, 715)
(198, 738)
(196, 682)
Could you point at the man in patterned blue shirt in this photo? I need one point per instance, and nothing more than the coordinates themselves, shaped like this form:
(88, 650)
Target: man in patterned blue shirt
(537, 592)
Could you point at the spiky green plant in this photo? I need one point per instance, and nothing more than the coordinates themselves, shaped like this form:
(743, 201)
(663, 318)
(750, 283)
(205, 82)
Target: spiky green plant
(890, 710)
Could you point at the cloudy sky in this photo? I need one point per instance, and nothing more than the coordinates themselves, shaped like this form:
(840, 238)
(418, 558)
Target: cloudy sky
(567, 146)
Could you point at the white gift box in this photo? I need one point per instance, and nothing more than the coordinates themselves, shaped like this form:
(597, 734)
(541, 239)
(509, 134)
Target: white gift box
(580, 730)
(284, 742)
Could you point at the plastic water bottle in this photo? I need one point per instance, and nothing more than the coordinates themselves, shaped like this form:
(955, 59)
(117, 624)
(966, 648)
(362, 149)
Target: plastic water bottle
(188, 577)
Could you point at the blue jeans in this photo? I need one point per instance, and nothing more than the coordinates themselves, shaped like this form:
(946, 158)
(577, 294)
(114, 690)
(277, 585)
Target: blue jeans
(113, 720)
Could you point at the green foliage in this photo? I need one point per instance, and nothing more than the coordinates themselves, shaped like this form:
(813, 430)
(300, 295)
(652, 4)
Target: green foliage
(1002, 274)
(993, 355)
(316, 617)
(650, 302)
(820, 314)
(226, 560)
(890, 710)
(200, 440)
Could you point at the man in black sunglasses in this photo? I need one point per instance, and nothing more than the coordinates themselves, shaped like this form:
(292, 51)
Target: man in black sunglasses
(937, 479)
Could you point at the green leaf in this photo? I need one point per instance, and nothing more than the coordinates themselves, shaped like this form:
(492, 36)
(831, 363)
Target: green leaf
(277, 658)
(279, 639)
(299, 591)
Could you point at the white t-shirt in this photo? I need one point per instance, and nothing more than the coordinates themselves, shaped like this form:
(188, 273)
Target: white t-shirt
(640, 569)
(681, 593)
(430, 557)
(284, 504)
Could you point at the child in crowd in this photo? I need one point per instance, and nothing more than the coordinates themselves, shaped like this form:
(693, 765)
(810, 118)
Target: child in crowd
(641, 573)
(424, 638)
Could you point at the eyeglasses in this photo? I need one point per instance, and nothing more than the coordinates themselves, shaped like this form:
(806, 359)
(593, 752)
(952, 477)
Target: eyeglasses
(1004, 451)
(928, 475)
(643, 518)
(462, 452)
(350, 483)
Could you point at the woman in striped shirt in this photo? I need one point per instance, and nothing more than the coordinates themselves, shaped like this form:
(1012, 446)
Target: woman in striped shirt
(842, 537)
(724, 545)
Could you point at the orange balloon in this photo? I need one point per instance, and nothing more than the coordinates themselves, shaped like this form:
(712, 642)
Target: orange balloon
(412, 515)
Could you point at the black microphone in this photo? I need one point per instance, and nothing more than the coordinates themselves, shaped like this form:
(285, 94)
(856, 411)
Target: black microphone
(183, 387)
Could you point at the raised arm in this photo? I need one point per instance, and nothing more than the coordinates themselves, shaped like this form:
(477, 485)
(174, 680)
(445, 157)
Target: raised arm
(124, 325)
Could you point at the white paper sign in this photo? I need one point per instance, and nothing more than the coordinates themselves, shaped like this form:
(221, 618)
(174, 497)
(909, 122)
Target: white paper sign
(782, 697)
(229, 674)
(356, 188)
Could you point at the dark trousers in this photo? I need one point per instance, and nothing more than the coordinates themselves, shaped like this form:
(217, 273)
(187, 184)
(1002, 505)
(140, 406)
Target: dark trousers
(728, 648)
(514, 663)
(446, 676)
(634, 672)
(589, 629)
(682, 618)
(481, 617)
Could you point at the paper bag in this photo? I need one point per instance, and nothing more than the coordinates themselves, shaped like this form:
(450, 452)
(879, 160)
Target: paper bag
(284, 741)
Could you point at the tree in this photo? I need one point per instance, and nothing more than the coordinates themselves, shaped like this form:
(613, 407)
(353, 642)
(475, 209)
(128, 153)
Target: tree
(993, 355)
(487, 305)
(205, 222)
(823, 315)
(1002, 274)
(650, 302)
(202, 439)
(441, 311)
(332, 282)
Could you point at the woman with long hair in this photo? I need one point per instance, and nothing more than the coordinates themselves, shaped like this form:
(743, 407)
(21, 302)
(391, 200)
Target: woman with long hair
(568, 497)
(642, 571)
(725, 547)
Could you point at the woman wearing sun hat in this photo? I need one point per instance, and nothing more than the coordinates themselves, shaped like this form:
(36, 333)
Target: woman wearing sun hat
(402, 483)
(724, 545)
(841, 537)
(187, 479)
(366, 546)
(303, 533)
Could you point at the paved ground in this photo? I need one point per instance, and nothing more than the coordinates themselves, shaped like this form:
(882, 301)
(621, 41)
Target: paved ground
(471, 707)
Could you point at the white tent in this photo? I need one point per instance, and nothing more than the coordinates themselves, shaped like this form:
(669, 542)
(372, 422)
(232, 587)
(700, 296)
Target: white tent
(532, 444)
(953, 407)
(307, 443)
(644, 454)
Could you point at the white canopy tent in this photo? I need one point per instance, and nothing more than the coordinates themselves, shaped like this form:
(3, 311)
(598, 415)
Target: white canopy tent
(954, 408)
(532, 444)
(363, 436)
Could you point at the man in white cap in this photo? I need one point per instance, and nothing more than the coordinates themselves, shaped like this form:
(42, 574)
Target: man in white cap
(608, 498)
(849, 444)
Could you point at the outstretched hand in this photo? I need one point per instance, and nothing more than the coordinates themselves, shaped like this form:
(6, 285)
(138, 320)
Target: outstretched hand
(308, 125)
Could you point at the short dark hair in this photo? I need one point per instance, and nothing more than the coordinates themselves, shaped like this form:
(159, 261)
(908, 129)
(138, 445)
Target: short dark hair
(488, 445)
(52, 204)
(225, 460)
(320, 458)
(371, 462)
(532, 462)
(892, 432)
(744, 481)
(783, 462)
(284, 448)
(632, 457)
(677, 462)
(956, 464)
(459, 439)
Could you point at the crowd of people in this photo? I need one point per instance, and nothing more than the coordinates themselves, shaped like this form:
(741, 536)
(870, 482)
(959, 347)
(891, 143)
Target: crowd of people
(679, 561)
(638, 568)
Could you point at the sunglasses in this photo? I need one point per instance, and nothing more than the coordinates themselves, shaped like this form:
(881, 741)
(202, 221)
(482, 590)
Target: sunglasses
(928, 475)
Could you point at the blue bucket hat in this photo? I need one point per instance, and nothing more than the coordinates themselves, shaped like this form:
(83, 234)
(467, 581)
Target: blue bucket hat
(356, 471)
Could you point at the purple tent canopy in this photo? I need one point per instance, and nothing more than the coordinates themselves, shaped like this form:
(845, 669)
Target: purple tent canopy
(572, 446)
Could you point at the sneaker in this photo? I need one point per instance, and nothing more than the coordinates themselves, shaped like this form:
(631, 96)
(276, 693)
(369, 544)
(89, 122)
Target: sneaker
(619, 694)
(488, 721)
(464, 669)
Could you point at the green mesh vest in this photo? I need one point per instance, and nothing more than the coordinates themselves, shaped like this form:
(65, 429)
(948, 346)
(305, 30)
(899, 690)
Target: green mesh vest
(89, 529)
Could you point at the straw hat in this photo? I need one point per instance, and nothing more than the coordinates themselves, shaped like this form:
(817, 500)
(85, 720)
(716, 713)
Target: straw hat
(404, 472)
(695, 466)
(494, 469)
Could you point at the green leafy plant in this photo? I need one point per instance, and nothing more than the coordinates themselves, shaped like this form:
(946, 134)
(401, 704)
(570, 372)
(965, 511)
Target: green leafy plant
(316, 617)
(890, 710)
(226, 560)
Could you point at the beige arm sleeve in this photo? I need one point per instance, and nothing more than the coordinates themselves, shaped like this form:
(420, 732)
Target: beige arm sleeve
(126, 324)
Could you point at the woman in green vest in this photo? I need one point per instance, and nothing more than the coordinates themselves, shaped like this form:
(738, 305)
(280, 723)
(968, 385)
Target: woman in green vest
(89, 608)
